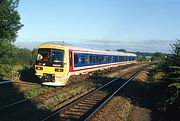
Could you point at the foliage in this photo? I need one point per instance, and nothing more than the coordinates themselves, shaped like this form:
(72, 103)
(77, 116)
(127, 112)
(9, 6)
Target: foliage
(171, 67)
(9, 20)
(33, 55)
(10, 55)
(25, 56)
(27, 74)
(121, 50)
(141, 58)
(157, 56)
(7, 70)
(36, 90)
(8, 52)
(17, 60)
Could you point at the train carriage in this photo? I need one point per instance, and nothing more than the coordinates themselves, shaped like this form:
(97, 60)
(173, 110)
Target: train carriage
(57, 62)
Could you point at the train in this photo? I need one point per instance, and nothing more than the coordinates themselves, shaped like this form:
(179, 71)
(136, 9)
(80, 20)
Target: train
(56, 62)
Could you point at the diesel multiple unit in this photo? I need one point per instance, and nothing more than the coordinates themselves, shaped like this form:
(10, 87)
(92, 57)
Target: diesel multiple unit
(57, 62)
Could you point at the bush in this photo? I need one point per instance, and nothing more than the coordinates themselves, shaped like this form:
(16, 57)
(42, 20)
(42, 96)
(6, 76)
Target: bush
(7, 70)
(171, 67)
(27, 74)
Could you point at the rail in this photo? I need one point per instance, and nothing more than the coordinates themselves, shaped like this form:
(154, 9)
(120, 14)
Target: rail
(88, 115)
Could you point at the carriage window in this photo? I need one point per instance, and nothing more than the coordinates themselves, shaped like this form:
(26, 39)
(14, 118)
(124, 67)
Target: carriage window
(91, 59)
(94, 59)
(82, 59)
(76, 58)
(106, 58)
(99, 58)
(109, 58)
(86, 60)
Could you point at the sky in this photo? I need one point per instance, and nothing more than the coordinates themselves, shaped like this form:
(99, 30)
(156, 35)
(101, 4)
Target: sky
(134, 25)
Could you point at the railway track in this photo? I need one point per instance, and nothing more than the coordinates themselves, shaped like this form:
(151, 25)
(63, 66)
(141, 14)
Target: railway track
(36, 99)
(86, 106)
(11, 92)
(5, 82)
(17, 105)
(40, 97)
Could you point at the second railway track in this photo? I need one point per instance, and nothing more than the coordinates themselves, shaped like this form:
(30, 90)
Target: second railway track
(33, 112)
(86, 106)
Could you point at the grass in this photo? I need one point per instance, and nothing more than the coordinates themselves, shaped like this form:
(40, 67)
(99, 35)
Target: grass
(36, 90)
(52, 102)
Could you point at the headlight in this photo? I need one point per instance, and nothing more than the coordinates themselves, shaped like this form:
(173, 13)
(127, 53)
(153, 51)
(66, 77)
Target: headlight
(58, 70)
(39, 68)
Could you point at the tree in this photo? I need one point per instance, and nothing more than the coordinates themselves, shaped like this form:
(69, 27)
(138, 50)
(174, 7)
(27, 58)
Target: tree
(121, 50)
(24, 56)
(171, 67)
(7, 53)
(9, 20)
(34, 54)
(9, 26)
(157, 56)
(141, 58)
(107, 50)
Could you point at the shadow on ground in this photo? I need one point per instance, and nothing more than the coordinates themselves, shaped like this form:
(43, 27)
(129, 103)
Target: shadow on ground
(27, 74)
(26, 111)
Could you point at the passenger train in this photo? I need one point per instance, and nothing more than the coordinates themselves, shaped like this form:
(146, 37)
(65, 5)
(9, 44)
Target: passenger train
(56, 62)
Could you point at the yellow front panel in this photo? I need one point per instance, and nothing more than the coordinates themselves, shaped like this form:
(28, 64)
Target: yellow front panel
(51, 69)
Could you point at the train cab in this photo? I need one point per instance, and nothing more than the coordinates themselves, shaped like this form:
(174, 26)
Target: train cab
(51, 64)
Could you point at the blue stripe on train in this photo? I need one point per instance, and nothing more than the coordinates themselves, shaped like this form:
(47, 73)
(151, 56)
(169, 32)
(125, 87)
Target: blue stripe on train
(83, 59)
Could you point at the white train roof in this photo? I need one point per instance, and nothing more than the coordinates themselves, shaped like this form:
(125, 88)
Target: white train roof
(69, 46)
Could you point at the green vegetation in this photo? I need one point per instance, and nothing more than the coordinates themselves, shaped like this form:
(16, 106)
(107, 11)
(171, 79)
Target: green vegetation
(170, 67)
(121, 50)
(158, 56)
(141, 58)
(10, 55)
(36, 90)
(9, 20)
(65, 94)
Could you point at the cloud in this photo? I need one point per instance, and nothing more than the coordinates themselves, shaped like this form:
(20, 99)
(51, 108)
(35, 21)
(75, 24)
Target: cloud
(103, 41)
(143, 46)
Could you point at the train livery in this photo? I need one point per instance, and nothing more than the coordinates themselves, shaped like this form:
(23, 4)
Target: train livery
(56, 62)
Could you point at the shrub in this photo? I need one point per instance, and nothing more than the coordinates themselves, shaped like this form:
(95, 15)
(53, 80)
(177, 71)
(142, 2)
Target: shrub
(7, 71)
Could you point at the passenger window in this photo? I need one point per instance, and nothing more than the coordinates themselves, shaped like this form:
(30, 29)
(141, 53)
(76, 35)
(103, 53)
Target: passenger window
(94, 59)
(76, 58)
(109, 58)
(91, 60)
(99, 58)
(82, 60)
(87, 60)
(102, 58)
(105, 58)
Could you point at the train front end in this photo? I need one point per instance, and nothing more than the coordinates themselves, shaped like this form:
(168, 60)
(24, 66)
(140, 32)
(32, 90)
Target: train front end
(51, 65)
